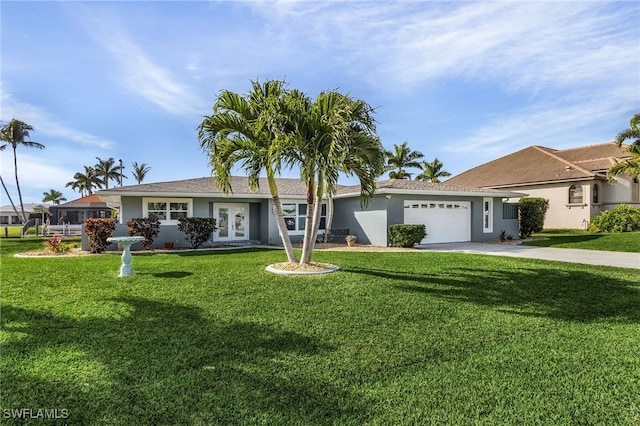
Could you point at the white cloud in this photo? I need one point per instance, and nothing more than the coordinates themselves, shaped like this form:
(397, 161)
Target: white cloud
(139, 73)
(46, 123)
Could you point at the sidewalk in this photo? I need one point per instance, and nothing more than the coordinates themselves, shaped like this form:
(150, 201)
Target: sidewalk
(589, 257)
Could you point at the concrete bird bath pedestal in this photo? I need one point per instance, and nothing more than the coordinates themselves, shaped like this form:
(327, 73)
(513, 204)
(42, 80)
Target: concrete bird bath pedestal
(126, 269)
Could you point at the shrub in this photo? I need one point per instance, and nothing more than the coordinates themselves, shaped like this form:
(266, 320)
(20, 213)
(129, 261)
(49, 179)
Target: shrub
(623, 218)
(98, 230)
(406, 235)
(197, 230)
(55, 245)
(144, 227)
(531, 213)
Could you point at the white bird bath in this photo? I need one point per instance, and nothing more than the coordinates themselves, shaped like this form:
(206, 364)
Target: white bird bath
(126, 269)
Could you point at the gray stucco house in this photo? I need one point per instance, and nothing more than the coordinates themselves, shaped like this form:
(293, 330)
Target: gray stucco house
(450, 213)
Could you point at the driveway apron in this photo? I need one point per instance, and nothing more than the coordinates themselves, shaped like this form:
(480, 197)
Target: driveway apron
(589, 257)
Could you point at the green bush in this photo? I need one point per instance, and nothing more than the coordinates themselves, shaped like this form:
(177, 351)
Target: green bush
(98, 230)
(197, 230)
(531, 213)
(623, 218)
(406, 235)
(144, 227)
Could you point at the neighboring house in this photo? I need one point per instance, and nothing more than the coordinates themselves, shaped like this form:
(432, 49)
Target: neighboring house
(450, 213)
(77, 211)
(573, 180)
(8, 215)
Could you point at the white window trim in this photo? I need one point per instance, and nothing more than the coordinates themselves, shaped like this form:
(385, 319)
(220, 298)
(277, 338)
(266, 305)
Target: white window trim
(146, 201)
(298, 216)
(487, 226)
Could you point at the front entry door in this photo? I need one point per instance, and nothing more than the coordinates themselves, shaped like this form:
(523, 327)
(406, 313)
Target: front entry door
(232, 221)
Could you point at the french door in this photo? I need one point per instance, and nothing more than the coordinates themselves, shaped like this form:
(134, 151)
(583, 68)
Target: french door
(232, 221)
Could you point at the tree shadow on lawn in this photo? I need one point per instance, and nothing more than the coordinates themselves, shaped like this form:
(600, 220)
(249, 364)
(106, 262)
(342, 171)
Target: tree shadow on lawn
(163, 363)
(568, 295)
(557, 240)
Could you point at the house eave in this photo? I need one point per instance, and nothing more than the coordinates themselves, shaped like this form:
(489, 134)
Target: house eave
(479, 193)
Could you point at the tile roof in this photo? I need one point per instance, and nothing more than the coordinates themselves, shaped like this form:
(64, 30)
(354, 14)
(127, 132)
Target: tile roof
(538, 164)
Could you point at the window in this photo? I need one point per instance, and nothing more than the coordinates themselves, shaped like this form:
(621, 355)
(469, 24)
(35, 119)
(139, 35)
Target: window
(295, 216)
(168, 211)
(487, 215)
(509, 211)
(595, 194)
(575, 194)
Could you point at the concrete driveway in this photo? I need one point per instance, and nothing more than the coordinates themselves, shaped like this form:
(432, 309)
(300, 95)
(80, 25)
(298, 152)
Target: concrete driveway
(589, 257)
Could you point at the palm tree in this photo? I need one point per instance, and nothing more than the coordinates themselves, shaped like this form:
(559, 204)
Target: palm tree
(86, 181)
(629, 167)
(241, 131)
(400, 158)
(54, 196)
(140, 171)
(432, 171)
(333, 134)
(14, 134)
(106, 170)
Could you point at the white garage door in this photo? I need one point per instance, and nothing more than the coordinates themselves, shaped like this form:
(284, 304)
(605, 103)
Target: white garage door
(446, 221)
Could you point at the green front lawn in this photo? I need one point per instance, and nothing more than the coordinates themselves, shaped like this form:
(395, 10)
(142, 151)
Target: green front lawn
(393, 338)
(621, 241)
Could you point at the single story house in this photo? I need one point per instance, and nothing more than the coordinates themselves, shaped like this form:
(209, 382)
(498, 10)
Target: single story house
(75, 212)
(573, 180)
(8, 215)
(450, 213)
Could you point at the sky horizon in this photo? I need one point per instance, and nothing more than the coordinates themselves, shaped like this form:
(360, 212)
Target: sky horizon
(464, 82)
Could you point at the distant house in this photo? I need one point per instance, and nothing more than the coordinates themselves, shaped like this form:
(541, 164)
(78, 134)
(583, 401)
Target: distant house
(75, 212)
(8, 215)
(573, 180)
(450, 213)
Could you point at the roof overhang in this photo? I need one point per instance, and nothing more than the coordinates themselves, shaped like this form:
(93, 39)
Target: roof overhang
(478, 193)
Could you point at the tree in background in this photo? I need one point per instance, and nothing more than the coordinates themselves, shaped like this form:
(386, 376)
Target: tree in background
(432, 171)
(399, 159)
(140, 171)
(85, 182)
(631, 166)
(14, 134)
(53, 196)
(107, 170)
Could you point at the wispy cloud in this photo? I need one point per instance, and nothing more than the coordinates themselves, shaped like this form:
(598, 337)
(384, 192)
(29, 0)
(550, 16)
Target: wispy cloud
(46, 123)
(139, 73)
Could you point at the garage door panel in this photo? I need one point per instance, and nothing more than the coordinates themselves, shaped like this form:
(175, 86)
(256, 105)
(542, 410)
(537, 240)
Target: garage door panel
(446, 221)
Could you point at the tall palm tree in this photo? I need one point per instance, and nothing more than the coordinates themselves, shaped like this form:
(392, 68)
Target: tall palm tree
(14, 134)
(432, 171)
(333, 134)
(241, 131)
(400, 158)
(140, 171)
(106, 170)
(85, 182)
(54, 196)
(629, 167)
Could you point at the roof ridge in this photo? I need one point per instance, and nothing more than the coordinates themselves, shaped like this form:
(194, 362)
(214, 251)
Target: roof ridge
(587, 146)
(571, 164)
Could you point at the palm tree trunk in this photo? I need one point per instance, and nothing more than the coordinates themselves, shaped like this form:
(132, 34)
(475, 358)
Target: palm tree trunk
(315, 226)
(282, 230)
(9, 196)
(308, 225)
(282, 226)
(329, 222)
(15, 167)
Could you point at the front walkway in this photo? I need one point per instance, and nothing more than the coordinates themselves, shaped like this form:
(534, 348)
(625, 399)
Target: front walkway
(589, 257)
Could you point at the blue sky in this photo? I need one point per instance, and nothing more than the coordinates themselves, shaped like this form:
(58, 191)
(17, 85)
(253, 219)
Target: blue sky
(465, 82)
